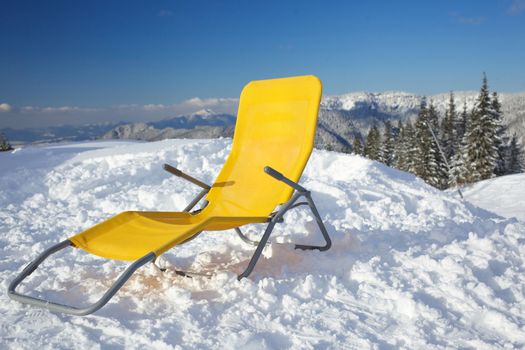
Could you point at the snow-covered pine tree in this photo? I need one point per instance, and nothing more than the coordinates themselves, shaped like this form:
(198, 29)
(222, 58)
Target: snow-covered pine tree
(448, 129)
(427, 162)
(461, 172)
(411, 147)
(387, 146)
(373, 144)
(441, 171)
(423, 141)
(459, 169)
(461, 126)
(357, 146)
(501, 140)
(400, 148)
(4, 144)
(422, 138)
(458, 172)
(481, 150)
(515, 161)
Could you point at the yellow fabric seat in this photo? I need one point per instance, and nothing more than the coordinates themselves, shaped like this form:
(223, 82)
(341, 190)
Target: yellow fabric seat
(133, 234)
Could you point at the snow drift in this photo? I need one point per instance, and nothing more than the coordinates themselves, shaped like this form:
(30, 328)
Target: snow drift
(503, 195)
(410, 267)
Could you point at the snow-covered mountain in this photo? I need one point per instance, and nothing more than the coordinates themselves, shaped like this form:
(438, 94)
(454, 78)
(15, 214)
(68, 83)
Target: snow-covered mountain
(410, 266)
(147, 132)
(201, 124)
(211, 125)
(59, 133)
(341, 118)
(204, 117)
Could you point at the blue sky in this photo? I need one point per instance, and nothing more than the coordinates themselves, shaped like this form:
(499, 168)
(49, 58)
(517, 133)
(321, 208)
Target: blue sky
(88, 56)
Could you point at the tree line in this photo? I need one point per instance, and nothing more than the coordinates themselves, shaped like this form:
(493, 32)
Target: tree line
(458, 148)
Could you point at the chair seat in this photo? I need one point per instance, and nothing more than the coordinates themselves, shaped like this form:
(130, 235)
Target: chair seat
(132, 234)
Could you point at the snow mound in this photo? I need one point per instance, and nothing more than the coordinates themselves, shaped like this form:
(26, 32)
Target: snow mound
(410, 266)
(504, 195)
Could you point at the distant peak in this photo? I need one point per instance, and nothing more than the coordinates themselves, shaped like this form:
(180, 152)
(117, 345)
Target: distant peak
(204, 112)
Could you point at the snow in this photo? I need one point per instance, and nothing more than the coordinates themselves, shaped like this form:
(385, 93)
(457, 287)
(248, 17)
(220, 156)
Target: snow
(410, 266)
(389, 100)
(504, 195)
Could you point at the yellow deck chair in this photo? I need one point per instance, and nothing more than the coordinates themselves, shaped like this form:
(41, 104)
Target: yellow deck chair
(275, 129)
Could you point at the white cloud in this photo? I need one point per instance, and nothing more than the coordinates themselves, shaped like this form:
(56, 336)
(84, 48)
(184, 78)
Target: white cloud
(126, 106)
(210, 102)
(194, 101)
(60, 109)
(516, 7)
(154, 107)
(227, 105)
(5, 107)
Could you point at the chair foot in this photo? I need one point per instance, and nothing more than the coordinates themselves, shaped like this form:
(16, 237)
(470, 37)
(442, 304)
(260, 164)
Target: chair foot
(312, 247)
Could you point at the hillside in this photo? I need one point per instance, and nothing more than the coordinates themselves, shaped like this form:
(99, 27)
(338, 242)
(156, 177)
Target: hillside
(410, 267)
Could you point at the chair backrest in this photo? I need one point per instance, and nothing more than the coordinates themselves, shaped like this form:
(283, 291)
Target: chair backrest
(275, 127)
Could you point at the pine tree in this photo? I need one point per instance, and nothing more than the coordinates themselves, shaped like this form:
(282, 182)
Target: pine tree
(440, 173)
(4, 144)
(501, 139)
(373, 144)
(448, 129)
(461, 126)
(422, 140)
(400, 148)
(458, 171)
(515, 161)
(411, 148)
(481, 150)
(461, 171)
(428, 164)
(387, 149)
(357, 146)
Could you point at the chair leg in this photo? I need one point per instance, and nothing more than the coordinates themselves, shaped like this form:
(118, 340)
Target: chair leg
(289, 205)
(320, 223)
(26, 299)
(258, 251)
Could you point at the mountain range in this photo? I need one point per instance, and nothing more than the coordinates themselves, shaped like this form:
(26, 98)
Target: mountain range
(341, 119)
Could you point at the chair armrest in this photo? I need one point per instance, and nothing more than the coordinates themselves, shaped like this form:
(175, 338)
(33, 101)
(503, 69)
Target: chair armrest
(177, 172)
(280, 177)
